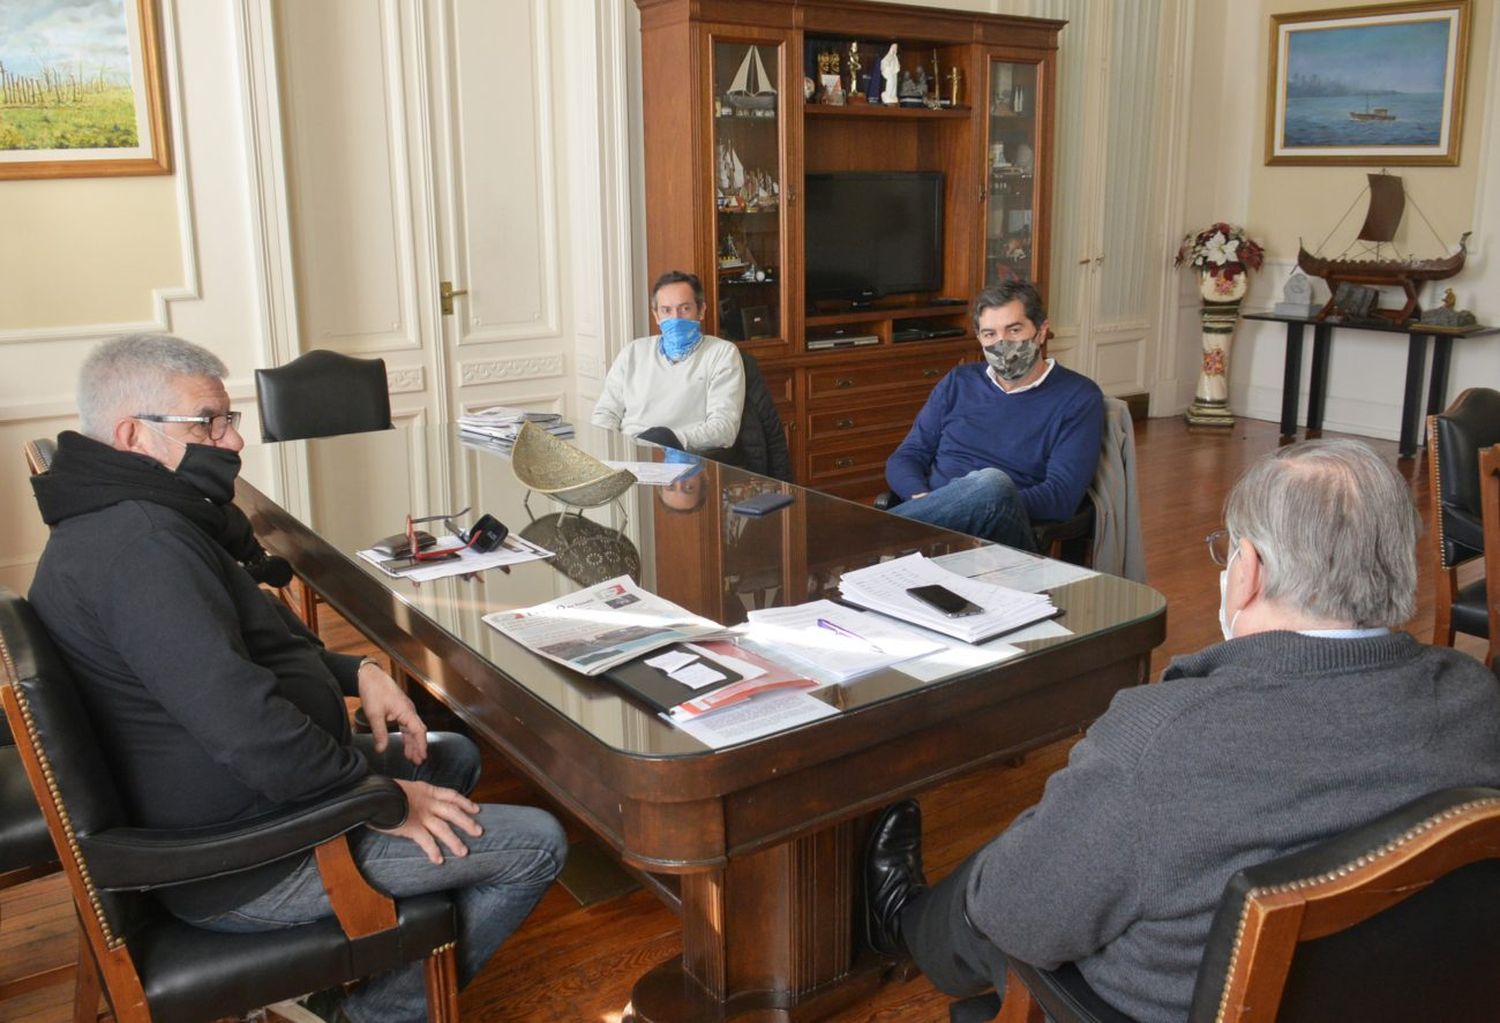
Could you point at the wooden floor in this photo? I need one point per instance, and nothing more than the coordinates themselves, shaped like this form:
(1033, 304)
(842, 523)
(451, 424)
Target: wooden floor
(570, 963)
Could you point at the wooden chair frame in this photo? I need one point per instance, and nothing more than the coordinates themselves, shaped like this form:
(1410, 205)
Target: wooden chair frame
(361, 910)
(1276, 919)
(1445, 581)
(1489, 503)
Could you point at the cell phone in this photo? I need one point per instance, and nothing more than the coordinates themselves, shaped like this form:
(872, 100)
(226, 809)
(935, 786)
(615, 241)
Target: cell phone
(945, 600)
(760, 504)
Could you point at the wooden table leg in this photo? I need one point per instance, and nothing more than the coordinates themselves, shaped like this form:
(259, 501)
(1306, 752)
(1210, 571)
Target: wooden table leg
(1416, 363)
(1291, 381)
(769, 937)
(1317, 389)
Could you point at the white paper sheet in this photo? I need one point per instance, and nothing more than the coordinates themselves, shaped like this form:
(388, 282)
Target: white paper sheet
(697, 675)
(884, 587)
(1006, 566)
(671, 660)
(653, 474)
(513, 551)
(761, 715)
(833, 643)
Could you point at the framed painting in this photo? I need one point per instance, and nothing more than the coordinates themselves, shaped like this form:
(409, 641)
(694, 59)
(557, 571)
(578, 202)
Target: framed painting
(1378, 86)
(81, 90)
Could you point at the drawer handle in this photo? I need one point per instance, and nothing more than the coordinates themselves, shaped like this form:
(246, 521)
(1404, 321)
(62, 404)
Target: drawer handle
(843, 463)
(930, 372)
(845, 424)
(844, 382)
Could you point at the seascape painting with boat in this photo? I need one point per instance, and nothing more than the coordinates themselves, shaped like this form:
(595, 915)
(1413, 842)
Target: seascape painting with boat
(1374, 82)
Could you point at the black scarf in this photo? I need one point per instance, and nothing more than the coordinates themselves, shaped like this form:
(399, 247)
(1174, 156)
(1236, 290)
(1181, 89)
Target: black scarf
(87, 476)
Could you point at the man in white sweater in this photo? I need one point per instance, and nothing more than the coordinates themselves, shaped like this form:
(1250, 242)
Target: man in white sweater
(679, 388)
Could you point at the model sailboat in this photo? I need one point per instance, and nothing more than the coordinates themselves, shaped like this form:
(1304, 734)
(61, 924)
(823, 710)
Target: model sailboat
(751, 88)
(1387, 205)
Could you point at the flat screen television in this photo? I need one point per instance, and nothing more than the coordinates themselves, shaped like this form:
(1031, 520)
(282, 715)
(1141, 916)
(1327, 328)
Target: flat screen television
(873, 233)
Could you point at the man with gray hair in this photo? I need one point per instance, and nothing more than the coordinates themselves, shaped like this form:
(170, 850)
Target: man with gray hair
(219, 705)
(1313, 717)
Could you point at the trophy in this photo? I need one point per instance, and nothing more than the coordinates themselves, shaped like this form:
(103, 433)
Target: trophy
(855, 94)
(955, 79)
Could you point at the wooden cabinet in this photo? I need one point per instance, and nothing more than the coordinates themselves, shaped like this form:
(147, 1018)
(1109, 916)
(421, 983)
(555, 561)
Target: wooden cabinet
(731, 137)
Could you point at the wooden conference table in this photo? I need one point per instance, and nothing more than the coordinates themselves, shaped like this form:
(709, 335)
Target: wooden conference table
(756, 845)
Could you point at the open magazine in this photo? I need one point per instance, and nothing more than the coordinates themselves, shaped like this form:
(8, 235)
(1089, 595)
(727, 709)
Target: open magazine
(595, 629)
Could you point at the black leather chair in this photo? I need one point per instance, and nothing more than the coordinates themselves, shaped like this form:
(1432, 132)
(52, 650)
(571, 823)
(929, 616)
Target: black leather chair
(321, 394)
(39, 454)
(154, 966)
(1455, 438)
(1397, 920)
(761, 444)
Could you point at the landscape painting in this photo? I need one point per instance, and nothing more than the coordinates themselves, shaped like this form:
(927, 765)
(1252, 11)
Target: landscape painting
(1377, 85)
(80, 89)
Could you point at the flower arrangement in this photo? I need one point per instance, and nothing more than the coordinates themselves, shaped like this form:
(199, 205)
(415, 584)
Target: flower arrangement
(1222, 250)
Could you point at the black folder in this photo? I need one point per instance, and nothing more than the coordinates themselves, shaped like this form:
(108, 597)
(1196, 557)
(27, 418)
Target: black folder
(659, 689)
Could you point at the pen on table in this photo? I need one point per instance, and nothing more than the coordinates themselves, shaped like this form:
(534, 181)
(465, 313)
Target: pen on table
(824, 623)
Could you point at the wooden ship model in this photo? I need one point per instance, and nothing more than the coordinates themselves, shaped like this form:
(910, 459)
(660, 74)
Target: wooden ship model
(1387, 205)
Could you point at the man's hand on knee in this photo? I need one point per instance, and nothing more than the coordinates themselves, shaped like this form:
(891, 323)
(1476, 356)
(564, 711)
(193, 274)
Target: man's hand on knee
(431, 815)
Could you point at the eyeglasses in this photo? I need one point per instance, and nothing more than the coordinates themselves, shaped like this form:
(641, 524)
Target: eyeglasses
(1219, 547)
(447, 520)
(216, 425)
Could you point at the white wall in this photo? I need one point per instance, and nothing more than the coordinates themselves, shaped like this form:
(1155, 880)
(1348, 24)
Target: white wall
(1230, 181)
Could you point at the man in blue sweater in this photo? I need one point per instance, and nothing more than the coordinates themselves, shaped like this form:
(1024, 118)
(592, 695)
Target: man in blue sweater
(1005, 443)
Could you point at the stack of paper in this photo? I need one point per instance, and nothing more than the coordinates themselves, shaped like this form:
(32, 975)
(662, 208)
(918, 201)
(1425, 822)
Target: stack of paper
(833, 642)
(883, 588)
(498, 426)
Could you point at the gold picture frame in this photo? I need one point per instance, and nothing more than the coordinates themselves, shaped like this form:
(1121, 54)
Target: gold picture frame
(1381, 85)
(106, 118)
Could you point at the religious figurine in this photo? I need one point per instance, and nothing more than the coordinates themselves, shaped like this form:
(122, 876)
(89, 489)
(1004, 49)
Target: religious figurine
(913, 89)
(854, 68)
(955, 79)
(890, 69)
(937, 82)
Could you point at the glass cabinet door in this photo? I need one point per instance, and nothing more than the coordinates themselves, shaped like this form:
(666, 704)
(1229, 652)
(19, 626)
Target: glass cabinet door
(1011, 161)
(748, 227)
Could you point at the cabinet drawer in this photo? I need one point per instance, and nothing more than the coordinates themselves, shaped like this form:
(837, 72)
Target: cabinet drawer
(836, 381)
(779, 384)
(865, 455)
(892, 414)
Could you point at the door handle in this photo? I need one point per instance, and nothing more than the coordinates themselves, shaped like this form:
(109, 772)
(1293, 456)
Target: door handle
(844, 424)
(844, 382)
(843, 463)
(447, 293)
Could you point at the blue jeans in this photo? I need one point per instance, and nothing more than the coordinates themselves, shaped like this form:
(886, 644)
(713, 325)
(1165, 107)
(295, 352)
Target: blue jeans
(985, 503)
(507, 871)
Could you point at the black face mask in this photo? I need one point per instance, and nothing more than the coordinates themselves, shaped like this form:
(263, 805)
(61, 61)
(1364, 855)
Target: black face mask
(210, 470)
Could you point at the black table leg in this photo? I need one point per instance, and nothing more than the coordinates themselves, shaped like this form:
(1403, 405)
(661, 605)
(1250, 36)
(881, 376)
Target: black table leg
(1437, 388)
(1291, 381)
(1317, 393)
(1416, 359)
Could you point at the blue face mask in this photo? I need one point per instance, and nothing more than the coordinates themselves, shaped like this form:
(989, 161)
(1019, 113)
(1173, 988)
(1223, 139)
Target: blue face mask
(679, 338)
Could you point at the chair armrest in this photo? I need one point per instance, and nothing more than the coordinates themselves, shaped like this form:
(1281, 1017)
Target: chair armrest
(141, 858)
(886, 500)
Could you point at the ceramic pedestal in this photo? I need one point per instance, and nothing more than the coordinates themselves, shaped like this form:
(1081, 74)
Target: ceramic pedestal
(1221, 310)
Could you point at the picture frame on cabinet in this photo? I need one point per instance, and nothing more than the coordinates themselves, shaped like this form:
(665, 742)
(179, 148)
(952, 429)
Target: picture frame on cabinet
(81, 90)
(1381, 85)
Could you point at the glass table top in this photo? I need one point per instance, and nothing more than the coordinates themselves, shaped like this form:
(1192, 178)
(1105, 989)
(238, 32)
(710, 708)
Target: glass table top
(682, 542)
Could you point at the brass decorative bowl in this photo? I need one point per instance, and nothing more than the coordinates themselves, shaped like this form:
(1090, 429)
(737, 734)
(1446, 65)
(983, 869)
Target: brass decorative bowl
(551, 466)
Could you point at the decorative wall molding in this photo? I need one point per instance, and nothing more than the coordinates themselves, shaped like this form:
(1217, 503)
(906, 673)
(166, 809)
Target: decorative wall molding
(492, 371)
(405, 379)
(588, 364)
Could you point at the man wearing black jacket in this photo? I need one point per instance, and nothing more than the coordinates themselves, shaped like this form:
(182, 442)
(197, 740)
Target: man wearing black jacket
(215, 705)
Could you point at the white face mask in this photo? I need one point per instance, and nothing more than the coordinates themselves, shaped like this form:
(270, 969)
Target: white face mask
(1226, 625)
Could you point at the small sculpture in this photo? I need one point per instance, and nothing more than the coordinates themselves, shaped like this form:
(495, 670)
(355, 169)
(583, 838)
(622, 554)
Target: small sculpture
(890, 69)
(1296, 297)
(1448, 314)
(854, 68)
(913, 90)
(955, 80)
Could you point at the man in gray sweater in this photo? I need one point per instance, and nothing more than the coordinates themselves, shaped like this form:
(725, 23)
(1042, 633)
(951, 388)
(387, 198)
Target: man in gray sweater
(1313, 717)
